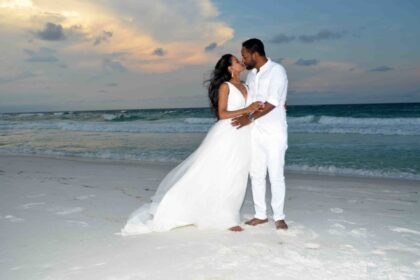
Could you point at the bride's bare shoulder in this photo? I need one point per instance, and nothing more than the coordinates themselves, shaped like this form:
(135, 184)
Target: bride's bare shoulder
(224, 87)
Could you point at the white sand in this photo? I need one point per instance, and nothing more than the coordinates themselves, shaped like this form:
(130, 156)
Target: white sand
(58, 219)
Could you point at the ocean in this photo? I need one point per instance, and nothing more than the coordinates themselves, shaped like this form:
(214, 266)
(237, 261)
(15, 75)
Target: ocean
(373, 140)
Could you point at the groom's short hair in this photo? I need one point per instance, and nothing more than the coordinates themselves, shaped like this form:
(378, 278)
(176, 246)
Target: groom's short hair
(254, 45)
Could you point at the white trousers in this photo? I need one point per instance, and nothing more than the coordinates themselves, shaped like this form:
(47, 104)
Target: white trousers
(268, 153)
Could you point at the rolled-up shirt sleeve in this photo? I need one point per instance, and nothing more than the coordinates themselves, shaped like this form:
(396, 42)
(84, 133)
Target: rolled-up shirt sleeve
(277, 88)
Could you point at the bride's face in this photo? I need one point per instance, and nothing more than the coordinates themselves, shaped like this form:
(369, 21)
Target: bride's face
(237, 66)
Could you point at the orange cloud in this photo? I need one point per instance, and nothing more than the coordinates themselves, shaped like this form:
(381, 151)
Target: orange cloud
(85, 22)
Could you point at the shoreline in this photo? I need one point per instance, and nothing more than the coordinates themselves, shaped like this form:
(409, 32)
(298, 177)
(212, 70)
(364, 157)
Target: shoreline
(171, 165)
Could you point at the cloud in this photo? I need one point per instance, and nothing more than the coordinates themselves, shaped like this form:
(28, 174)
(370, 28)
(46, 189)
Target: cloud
(159, 52)
(321, 35)
(137, 28)
(51, 32)
(57, 32)
(102, 38)
(112, 65)
(41, 55)
(305, 38)
(16, 4)
(282, 38)
(382, 68)
(210, 47)
(335, 76)
(13, 77)
(306, 62)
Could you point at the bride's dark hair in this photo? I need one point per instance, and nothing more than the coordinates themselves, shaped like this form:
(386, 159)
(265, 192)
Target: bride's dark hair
(219, 75)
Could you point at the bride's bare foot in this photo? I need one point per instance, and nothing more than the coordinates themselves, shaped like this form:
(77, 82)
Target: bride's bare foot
(236, 228)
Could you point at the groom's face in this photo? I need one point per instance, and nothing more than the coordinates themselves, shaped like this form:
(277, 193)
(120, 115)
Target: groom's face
(248, 58)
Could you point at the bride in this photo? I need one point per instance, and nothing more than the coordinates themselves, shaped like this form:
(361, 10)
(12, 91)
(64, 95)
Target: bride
(207, 189)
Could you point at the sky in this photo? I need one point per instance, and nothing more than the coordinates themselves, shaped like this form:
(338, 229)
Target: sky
(58, 55)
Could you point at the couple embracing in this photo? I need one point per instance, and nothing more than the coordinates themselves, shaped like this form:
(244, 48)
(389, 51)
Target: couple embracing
(207, 189)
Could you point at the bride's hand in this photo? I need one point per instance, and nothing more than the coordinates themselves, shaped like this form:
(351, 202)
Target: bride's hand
(254, 106)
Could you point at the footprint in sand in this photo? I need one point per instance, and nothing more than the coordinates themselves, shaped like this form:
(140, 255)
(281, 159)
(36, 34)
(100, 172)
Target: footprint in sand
(12, 218)
(404, 230)
(348, 247)
(336, 229)
(70, 211)
(312, 246)
(36, 195)
(389, 191)
(338, 226)
(336, 210)
(359, 233)
(83, 197)
(283, 261)
(335, 232)
(79, 223)
(225, 251)
(32, 204)
(379, 253)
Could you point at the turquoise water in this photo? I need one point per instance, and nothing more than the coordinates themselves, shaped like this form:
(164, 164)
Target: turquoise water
(380, 140)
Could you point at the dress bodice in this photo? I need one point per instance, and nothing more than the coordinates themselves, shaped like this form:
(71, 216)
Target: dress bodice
(236, 100)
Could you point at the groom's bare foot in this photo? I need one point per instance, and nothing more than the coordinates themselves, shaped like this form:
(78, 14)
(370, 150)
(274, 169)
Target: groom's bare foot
(281, 224)
(256, 221)
(236, 228)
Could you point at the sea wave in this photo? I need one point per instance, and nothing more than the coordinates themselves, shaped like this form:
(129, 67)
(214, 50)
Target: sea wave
(168, 157)
(129, 127)
(200, 120)
(109, 115)
(368, 121)
(346, 125)
(148, 156)
(302, 124)
(300, 120)
(333, 170)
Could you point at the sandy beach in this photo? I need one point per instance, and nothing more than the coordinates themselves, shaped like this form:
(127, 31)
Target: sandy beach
(61, 218)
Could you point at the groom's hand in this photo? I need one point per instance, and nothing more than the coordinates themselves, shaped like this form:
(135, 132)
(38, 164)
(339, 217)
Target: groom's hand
(241, 121)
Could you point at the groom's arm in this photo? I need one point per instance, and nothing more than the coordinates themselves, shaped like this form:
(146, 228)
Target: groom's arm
(276, 95)
(247, 119)
(277, 91)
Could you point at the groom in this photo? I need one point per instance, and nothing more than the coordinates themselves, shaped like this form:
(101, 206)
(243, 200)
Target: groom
(267, 82)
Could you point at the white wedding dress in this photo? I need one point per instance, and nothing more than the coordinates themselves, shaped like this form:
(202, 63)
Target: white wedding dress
(207, 189)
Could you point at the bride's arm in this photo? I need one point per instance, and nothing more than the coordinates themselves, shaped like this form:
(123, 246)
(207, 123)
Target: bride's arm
(222, 105)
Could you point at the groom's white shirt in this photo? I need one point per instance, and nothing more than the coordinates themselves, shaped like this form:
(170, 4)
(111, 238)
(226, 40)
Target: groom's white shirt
(269, 85)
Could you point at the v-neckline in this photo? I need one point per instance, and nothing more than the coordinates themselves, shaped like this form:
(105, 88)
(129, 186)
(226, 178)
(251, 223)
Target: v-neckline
(244, 97)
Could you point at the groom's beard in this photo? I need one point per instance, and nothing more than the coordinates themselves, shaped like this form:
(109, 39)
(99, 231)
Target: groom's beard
(250, 66)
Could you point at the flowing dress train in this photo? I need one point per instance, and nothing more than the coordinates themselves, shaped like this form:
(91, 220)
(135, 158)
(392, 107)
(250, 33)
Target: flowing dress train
(207, 189)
